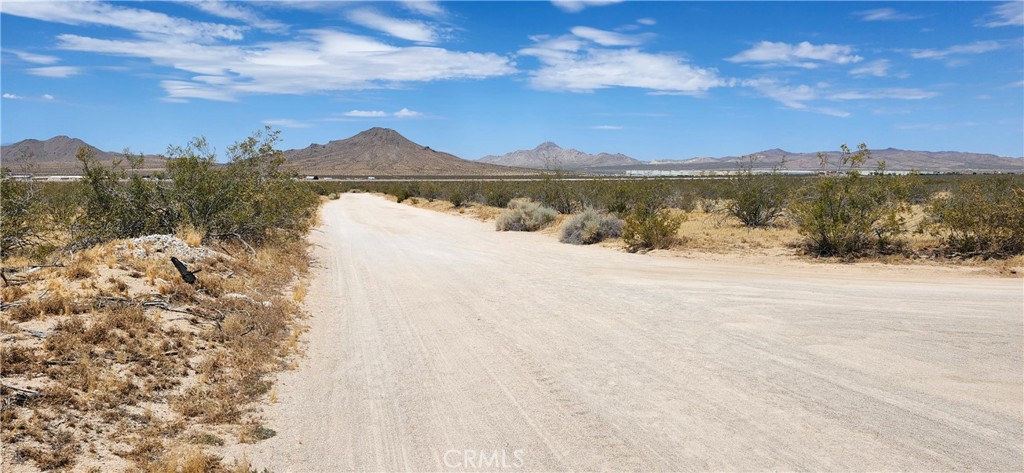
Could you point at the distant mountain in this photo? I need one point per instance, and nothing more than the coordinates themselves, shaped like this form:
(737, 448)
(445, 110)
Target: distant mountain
(385, 152)
(895, 159)
(551, 156)
(56, 156)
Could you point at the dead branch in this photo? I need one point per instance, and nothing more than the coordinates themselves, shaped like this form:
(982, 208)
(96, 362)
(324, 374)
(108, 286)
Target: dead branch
(240, 239)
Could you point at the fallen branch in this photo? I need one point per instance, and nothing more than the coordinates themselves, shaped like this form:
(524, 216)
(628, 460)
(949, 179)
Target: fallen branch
(240, 239)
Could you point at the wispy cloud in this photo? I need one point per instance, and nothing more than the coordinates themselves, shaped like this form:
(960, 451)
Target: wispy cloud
(608, 38)
(314, 61)
(425, 7)
(1006, 14)
(606, 127)
(47, 97)
(365, 113)
(896, 93)
(570, 64)
(647, 21)
(879, 68)
(12, 96)
(34, 58)
(144, 22)
(576, 6)
(405, 29)
(804, 54)
(406, 113)
(60, 72)
(885, 14)
(977, 47)
(403, 113)
(286, 123)
(237, 11)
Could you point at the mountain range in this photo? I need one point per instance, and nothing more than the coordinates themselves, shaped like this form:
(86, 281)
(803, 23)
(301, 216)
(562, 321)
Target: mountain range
(56, 156)
(550, 156)
(385, 152)
(895, 159)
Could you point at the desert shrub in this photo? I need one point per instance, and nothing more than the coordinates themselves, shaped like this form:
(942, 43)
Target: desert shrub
(649, 224)
(646, 229)
(252, 196)
(980, 218)
(20, 227)
(498, 194)
(557, 193)
(457, 194)
(755, 198)
(847, 213)
(116, 205)
(590, 227)
(525, 215)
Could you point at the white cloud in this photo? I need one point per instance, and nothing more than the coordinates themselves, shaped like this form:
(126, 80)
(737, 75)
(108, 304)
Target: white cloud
(569, 66)
(55, 71)
(607, 38)
(977, 47)
(1006, 14)
(794, 97)
(310, 62)
(12, 96)
(885, 14)
(576, 6)
(804, 54)
(47, 97)
(236, 11)
(404, 29)
(425, 7)
(879, 68)
(647, 21)
(896, 93)
(35, 58)
(366, 113)
(406, 113)
(144, 22)
(285, 123)
(606, 127)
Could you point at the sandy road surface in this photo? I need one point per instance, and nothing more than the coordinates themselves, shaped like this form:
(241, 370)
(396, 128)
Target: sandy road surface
(435, 338)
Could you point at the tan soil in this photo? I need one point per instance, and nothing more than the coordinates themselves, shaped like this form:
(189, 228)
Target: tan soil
(432, 333)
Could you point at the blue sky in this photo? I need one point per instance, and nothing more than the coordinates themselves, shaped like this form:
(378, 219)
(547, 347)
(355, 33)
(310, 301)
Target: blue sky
(655, 80)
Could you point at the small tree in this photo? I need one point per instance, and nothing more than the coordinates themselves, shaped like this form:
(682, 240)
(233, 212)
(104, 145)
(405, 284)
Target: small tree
(757, 199)
(846, 213)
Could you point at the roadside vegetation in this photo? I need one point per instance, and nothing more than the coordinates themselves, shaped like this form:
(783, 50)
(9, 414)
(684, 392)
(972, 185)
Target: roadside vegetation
(111, 359)
(852, 209)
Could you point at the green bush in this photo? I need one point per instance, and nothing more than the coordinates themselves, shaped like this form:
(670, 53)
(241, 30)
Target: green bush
(590, 227)
(651, 229)
(525, 215)
(116, 205)
(20, 227)
(848, 214)
(980, 218)
(757, 199)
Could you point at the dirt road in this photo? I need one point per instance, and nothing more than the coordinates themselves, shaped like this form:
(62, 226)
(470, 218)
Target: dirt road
(439, 344)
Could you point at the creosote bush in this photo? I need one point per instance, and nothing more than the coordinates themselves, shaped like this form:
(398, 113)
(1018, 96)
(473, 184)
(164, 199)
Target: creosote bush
(649, 223)
(849, 214)
(756, 198)
(590, 227)
(525, 215)
(984, 219)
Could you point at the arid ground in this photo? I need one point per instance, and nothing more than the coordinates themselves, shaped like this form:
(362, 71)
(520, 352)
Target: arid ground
(437, 343)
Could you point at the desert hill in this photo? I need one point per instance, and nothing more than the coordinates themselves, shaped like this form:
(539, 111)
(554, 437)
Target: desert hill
(385, 152)
(550, 156)
(56, 156)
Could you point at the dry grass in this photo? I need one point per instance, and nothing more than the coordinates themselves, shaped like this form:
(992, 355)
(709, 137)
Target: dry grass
(124, 377)
(192, 236)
